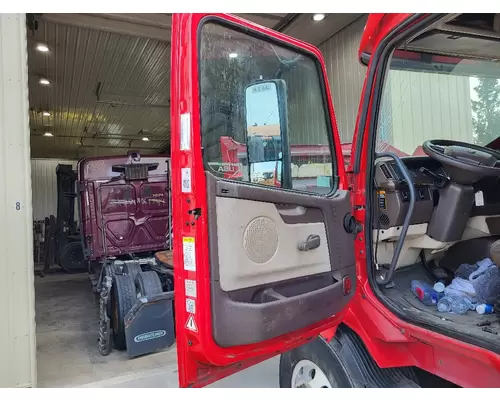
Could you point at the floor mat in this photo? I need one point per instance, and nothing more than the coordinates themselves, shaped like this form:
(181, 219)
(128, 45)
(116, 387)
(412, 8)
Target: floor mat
(466, 324)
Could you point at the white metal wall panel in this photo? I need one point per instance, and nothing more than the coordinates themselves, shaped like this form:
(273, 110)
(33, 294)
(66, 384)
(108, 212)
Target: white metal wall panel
(44, 186)
(306, 117)
(345, 75)
(17, 307)
(427, 106)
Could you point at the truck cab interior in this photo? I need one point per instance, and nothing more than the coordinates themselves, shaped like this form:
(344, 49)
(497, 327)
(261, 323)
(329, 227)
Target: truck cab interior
(435, 181)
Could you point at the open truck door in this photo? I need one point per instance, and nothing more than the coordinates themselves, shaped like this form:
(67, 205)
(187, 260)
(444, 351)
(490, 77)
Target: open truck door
(260, 268)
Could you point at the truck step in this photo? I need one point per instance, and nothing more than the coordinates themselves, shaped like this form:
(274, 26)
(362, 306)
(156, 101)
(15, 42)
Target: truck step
(363, 369)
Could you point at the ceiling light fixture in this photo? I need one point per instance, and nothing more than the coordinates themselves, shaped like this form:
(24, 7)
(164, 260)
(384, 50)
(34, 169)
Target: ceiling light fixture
(44, 81)
(46, 114)
(145, 139)
(42, 48)
(318, 17)
(233, 55)
(48, 134)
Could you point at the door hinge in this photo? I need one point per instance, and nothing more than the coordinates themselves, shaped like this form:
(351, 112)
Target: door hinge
(351, 225)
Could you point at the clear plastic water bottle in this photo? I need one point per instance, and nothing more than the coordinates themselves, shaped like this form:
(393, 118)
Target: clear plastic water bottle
(425, 292)
(454, 304)
(485, 309)
(439, 287)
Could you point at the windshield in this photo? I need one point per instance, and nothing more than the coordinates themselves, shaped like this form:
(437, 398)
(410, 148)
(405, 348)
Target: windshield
(433, 97)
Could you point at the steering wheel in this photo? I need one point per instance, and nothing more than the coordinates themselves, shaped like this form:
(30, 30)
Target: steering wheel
(465, 163)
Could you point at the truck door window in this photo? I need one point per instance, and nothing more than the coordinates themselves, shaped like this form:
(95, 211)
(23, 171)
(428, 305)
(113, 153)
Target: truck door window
(230, 61)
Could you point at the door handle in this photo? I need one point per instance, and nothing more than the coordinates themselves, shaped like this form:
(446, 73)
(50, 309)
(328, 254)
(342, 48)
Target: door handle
(312, 242)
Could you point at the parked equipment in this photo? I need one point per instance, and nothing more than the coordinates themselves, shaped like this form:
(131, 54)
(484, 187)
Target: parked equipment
(124, 206)
(62, 238)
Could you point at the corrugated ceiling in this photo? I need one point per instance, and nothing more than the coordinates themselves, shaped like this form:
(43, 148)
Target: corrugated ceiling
(106, 88)
(109, 77)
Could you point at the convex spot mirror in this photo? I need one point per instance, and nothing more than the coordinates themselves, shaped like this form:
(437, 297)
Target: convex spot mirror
(266, 132)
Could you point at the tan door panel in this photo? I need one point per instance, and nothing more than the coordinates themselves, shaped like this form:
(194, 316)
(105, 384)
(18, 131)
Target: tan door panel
(257, 247)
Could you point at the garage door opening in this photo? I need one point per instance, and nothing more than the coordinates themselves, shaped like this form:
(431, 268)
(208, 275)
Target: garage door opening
(99, 92)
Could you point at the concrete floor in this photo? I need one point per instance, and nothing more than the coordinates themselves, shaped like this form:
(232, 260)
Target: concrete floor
(263, 375)
(67, 355)
(67, 323)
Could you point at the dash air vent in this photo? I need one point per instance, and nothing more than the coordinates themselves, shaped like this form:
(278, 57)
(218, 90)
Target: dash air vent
(386, 171)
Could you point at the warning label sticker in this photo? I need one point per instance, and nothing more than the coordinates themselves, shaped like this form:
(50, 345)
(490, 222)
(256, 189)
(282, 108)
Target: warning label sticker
(189, 254)
(191, 325)
(479, 198)
(186, 180)
(185, 131)
(191, 306)
(190, 288)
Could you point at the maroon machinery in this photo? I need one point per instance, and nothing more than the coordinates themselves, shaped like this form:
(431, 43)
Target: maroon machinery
(124, 206)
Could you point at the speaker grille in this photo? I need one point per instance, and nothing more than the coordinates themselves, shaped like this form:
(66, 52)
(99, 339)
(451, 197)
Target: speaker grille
(384, 221)
(260, 240)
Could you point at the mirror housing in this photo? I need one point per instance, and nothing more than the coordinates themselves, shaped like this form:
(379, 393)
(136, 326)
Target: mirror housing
(266, 136)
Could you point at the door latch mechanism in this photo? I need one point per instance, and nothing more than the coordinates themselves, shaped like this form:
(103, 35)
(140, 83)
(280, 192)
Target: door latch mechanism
(196, 212)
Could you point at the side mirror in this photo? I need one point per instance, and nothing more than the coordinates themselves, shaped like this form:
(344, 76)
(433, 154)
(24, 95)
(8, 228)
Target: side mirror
(267, 133)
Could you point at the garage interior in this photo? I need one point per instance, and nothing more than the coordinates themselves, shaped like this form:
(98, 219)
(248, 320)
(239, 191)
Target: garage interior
(99, 86)
(92, 92)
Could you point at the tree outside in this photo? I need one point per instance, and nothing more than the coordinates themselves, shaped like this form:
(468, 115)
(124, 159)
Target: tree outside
(486, 110)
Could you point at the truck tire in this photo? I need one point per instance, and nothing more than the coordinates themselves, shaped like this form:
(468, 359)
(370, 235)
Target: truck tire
(122, 299)
(132, 269)
(72, 259)
(147, 284)
(110, 270)
(313, 365)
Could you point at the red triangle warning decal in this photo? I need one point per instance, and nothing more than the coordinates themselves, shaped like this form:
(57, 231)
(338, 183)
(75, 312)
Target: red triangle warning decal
(190, 324)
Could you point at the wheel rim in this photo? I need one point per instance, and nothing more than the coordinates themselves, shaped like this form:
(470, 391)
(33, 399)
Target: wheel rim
(307, 374)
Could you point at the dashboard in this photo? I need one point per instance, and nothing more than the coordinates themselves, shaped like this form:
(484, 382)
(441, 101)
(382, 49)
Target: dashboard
(445, 211)
(393, 197)
(420, 170)
(393, 194)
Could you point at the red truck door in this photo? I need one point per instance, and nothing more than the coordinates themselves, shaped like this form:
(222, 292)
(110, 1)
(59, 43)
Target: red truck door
(259, 269)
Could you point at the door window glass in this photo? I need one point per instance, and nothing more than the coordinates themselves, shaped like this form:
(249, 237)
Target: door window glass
(288, 141)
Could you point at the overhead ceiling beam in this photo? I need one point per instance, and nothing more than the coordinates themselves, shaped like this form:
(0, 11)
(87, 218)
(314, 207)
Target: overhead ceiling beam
(127, 135)
(115, 24)
(119, 103)
(285, 22)
(104, 137)
(163, 21)
(266, 16)
(88, 146)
